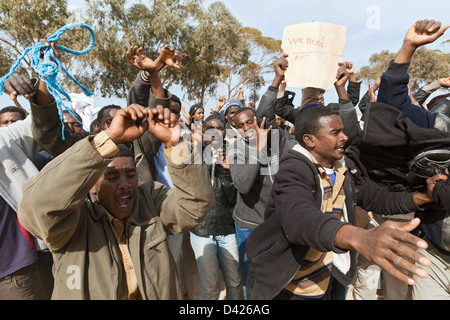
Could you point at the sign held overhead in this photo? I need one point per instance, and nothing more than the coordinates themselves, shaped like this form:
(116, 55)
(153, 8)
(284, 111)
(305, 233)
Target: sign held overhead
(314, 49)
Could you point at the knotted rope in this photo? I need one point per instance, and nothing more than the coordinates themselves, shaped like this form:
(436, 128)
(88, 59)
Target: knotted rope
(47, 70)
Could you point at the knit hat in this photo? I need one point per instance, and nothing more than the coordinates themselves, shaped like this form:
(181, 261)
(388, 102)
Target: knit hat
(230, 103)
(194, 108)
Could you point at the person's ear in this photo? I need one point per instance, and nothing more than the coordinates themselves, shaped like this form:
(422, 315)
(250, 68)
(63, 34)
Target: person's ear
(309, 140)
(96, 127)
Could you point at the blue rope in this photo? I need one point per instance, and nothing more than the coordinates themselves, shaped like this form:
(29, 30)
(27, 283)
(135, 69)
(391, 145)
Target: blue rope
(48, 70)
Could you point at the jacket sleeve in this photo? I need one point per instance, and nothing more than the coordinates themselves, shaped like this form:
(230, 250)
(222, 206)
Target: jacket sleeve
(347, 112)
(393, 91)
(372, 197)
(51, 198)
(191, 198)
(47, 129)
(424, 92)
(266, 107)
(20, 133)
(141, 93)
(353, 92)
(284, 107)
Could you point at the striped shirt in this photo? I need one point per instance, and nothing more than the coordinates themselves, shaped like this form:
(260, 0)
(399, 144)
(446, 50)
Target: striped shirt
(313, 278)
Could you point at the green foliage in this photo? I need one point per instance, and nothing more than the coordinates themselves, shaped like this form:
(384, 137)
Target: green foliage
(215, 50)
(24, 22)
(264, 51)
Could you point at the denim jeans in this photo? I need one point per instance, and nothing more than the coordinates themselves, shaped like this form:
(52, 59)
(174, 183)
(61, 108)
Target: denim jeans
(212, 253)
(241, 237)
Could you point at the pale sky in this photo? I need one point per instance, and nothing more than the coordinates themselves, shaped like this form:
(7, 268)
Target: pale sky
(372, 26)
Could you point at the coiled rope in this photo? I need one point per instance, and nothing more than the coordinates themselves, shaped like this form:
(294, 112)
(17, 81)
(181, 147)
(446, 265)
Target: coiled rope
(47, 70)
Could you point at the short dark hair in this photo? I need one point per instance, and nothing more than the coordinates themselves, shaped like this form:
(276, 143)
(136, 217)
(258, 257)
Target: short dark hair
(240, 110)
(124, 151)
(213, 116)
(307, 122)
(101, 112)
(23, 115)
(175, 99)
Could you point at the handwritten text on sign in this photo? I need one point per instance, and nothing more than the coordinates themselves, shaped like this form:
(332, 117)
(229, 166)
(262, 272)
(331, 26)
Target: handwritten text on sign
(309, 41)
(314, 50)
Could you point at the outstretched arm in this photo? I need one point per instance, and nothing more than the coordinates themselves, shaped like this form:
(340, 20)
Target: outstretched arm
(393, 88)
(388, 244)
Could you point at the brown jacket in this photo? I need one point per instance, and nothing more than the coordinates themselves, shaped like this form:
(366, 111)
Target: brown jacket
(58, 209)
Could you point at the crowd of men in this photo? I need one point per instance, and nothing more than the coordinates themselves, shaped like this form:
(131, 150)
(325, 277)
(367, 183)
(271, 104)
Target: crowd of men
(151, 201)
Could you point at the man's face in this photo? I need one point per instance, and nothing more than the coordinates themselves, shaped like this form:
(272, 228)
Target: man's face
(72, 123)
(116, 189)
(230, 115)
(246, 125)
(321, 99)
(214, 132)
(280, 121)
(328, 143)
(8, 118)
(107, 118)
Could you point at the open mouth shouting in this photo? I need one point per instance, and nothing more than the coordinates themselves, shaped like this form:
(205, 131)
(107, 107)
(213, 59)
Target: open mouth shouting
(124, 202)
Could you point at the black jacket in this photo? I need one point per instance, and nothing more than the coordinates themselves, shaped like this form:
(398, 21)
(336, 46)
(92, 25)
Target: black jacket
(389, 143)
(219, 221)
(294, 221)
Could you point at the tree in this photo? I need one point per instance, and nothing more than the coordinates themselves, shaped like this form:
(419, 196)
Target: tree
(264, 51)
(121, 23)
(254, 85)
(214, 48)
(426, 66)
(211, 52)
(24, 22)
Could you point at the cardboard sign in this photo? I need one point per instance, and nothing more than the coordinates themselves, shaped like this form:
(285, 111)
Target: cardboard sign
(314, 49)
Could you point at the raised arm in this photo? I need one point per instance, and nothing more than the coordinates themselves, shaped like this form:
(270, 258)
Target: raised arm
(147, 89)
(393, 88)
(52, 215)
(266, 107)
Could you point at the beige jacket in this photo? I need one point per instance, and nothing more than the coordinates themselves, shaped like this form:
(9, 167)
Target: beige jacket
(56, 209)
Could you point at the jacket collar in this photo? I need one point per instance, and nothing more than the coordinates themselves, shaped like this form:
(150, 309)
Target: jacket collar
(339, 164)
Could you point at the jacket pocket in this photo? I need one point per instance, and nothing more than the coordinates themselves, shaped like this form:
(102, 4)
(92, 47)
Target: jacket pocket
(265, 253)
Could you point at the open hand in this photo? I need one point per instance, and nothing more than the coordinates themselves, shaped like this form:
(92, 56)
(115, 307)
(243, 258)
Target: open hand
(141, 61)
(391, 246)
(169, 56)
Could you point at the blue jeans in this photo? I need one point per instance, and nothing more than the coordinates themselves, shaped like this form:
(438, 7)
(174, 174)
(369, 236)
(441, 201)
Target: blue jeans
(241, 237)
(213, 253)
